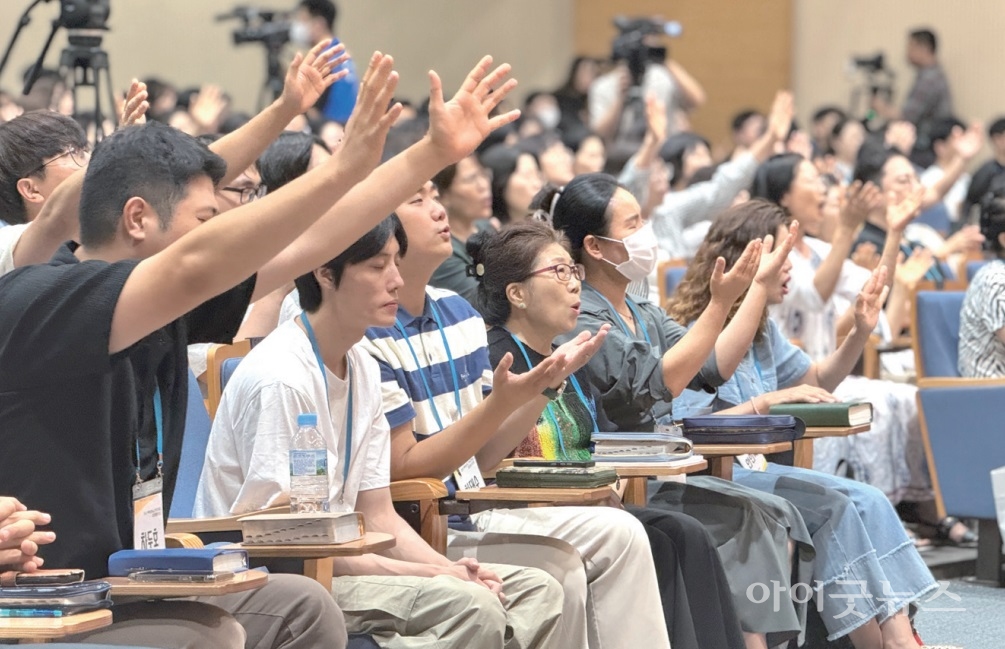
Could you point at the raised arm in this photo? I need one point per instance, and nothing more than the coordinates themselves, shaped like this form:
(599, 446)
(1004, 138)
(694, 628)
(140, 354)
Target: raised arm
(683, 361)
(691, 91)
(306, 79)
(860, 199)
(966, 145)
(455, 129)
(231, 247)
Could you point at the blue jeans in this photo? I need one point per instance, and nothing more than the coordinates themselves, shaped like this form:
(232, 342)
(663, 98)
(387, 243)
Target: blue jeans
(865, 567)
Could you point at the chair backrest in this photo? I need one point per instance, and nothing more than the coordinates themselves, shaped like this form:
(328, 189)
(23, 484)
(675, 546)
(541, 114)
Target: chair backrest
(937, 332)
(669, 275)
(965, 442)
(193, 452)
(218, 371)
(937, 217)
(973, 267)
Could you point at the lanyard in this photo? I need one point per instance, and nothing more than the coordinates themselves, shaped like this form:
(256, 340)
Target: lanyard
(420, 370)
(640, 323)
(324, 375)
(575, 386)
(760, 377)
(159, 422)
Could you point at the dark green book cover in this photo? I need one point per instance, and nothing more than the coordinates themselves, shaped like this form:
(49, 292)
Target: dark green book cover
(827, 414)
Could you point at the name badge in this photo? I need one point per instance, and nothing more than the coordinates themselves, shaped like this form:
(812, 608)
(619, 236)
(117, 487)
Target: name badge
(148, 515)
(753, 462)
(469, 476)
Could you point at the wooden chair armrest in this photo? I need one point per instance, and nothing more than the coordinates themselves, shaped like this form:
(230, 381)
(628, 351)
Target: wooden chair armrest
(216, 524)
(418, 489)
(958, 382)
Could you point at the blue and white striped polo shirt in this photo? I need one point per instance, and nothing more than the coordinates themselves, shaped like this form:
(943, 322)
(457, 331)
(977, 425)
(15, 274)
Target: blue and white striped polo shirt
(403, 382)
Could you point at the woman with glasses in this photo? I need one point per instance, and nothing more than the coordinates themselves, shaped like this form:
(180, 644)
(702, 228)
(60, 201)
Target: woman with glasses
(466, 193)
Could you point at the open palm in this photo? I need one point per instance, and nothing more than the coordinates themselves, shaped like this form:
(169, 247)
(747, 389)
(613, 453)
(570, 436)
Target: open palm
(309, 76)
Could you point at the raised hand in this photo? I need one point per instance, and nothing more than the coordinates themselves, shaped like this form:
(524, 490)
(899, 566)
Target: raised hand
(860, 199)
(581, 349)
(901, 135)
(968, 143)
(366, 130)
(133, 109)
(727, 287)
(780, 117)
(910, 271)
(310, 75)
(207, 107)
(899, 214)
(517, 389)
(656, 118)
(458, 126)
(870, 300)
(772, 257)
(966, 239)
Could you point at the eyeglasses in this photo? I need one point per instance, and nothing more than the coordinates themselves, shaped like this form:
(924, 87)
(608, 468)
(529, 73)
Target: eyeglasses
(474, 177)
(248, 194)
(563, 272)
(79, 155)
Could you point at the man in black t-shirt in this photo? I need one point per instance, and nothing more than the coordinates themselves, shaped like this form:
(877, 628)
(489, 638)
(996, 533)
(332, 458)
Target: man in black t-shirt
(92, 341)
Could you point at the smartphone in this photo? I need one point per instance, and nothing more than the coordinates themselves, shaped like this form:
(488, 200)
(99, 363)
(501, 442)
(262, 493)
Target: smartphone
(580, 464)
(183, 577)
(49, 578)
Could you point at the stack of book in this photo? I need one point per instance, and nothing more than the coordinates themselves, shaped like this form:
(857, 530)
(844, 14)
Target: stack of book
(640, 447)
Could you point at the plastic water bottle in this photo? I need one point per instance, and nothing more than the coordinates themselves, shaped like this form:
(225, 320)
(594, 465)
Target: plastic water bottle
(308, 468)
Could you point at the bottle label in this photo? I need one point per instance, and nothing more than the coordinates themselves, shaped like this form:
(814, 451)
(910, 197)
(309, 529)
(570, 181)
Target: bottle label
(309, 462)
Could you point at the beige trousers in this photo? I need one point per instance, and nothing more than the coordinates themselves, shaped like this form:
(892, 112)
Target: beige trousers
(445, 612)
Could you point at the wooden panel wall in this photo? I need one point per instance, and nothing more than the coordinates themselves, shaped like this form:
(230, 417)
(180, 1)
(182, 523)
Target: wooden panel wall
(740, 51)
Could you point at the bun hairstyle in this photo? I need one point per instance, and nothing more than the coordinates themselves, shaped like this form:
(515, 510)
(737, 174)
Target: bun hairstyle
(503, 258)
(993, 215)
(580, 208)
(775, 176)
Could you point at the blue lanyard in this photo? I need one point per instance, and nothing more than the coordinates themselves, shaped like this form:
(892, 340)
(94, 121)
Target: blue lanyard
(324, 375)
(159, 423)
(575, 386)
(760, 377)
(420, 370)
(640, 323)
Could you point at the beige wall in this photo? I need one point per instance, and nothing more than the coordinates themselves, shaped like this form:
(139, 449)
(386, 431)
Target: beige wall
(178, 40)
(970, 47)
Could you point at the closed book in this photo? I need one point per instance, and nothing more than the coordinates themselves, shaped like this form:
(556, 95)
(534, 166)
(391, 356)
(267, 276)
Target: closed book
(548, 477)
(322, 528)
(179, 560)
(827, 414)
(657, 445)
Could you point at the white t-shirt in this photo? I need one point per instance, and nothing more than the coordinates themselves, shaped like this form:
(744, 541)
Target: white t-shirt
(9, 237)
(803, 314)
(953, 200)
(247, 459)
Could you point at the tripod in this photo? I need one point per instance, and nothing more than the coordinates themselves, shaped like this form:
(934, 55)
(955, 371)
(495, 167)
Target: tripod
(274, 77)
(84, 59)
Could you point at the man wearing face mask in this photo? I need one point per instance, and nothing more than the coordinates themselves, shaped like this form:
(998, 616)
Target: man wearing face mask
(313, 22)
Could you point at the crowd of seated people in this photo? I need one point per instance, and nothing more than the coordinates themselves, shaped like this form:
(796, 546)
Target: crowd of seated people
(450, 286)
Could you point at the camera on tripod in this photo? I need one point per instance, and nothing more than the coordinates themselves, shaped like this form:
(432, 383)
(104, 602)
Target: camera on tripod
(630, 45)
(877, 81)
(271, 28)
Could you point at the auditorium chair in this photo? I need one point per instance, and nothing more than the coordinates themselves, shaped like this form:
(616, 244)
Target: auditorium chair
(668, 276)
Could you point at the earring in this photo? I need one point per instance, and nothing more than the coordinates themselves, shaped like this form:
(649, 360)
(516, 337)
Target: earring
(522, 305)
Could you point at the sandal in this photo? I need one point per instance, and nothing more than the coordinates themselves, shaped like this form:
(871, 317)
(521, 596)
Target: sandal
(943, 533)
(920, 544)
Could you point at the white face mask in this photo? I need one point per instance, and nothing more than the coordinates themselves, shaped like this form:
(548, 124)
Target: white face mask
(300, 34)
(549, 117)
(641, 248)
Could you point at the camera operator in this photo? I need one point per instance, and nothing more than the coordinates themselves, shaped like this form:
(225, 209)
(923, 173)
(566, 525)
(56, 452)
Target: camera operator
(617, 99)
(929, 98)
(313, 22)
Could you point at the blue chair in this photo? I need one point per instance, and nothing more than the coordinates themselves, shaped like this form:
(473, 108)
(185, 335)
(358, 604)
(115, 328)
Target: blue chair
(973, 267)
(937, 217)
(960, 425)
(937, 332)
(670, 274)
(193, 452)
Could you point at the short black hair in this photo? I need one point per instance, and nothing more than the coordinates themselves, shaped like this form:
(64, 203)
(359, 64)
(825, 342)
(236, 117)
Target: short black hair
(943, 127)
(872, 157)
(741, 118)
(993, 214)
(676, 147)
(824, 111)
(25, 142)
(287, 158)
(997, 127)
(366, 247)
(325, 9)
(925, 37)
(152, 161)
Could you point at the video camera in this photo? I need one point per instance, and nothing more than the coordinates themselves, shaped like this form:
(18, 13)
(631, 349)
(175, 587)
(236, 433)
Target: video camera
(630, 46)
(870, 64)
(266, 26)
(84, 14)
